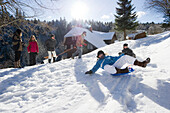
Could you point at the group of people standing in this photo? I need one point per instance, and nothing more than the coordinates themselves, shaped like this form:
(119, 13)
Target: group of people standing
(32, 48)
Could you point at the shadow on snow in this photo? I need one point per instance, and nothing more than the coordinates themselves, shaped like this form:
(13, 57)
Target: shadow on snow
(122, 88)
(16, 79)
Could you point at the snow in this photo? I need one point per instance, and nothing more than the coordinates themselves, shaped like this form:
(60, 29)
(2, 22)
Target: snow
(91, 37)
(62, 87)
(105, 36)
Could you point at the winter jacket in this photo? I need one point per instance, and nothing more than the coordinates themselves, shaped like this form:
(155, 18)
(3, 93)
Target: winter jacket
(108, 60)
(80, 41)
(17, 43)
(50, 44)
(129, 52)
(33, 47)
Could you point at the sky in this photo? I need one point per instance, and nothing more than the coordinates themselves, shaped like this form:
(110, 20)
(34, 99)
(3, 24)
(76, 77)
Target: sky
(98, 10)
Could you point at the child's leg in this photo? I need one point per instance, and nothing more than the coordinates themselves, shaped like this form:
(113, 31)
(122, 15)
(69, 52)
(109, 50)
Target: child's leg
(126, 59)
(49, 55)
(54, 55)
(110, 69)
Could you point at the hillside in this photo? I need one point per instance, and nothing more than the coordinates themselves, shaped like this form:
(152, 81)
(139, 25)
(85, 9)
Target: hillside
(62, 87)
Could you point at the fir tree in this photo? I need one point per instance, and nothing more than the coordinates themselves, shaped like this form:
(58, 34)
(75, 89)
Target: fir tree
(125, 19)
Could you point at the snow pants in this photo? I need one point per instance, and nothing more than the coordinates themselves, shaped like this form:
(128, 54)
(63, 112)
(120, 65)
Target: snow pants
(17, 55)
(32, 59)
(126, 59)
(51, 54)
(78, 52)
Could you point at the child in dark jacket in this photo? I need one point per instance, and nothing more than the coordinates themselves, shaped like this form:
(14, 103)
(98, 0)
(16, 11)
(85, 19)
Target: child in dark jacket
(51, 46)
(32, 50)
(113, 65)
(127, 51)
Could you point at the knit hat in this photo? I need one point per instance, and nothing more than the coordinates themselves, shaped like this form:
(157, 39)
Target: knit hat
(52, 35)
(99, 53)
(125, 44)
(84, 32)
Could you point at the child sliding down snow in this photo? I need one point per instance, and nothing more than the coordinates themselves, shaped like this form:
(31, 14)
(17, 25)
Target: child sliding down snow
(113, 64)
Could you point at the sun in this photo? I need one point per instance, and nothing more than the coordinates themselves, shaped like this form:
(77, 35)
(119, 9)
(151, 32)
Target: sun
(79, 10)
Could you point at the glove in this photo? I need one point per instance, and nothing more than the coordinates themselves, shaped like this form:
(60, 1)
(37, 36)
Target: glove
(120, 53)
(89, 72)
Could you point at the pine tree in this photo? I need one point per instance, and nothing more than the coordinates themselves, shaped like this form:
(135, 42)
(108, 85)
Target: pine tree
(125, 18)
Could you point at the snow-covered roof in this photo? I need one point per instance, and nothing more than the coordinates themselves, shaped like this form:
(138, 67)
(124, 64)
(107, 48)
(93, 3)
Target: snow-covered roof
(91, 37)
(105, 36)
(134, 34)
(131, 35)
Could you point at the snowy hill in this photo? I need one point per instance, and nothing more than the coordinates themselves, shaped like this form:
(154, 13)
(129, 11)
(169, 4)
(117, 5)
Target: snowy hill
(62, 87)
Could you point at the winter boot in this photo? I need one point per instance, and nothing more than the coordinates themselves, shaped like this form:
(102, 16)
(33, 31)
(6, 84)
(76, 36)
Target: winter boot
(49, 60)
(15, 65)
(146, 61)
(126, 70)
(142, 64)
(53, 59)
(72, 57)
(19, 64)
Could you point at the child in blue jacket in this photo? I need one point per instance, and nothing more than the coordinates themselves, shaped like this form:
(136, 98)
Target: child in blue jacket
(113, 64)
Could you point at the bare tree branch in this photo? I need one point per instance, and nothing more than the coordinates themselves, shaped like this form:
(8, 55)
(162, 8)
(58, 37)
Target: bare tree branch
(5, 24)
(11, 6)
(160, 6)
(8, 23)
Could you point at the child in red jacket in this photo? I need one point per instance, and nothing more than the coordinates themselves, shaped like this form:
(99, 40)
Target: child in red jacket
(32, 50)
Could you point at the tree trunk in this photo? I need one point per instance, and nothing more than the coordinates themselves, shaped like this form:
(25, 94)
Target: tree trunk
(124, 34)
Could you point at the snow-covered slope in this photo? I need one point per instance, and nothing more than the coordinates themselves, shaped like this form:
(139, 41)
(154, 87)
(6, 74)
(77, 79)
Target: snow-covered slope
(62, 87)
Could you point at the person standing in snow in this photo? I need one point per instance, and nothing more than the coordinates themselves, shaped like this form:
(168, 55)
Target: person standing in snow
(17, 47)
(79, 46)
(32, 50)
(113, 64)
(127, 51)
(51, 44)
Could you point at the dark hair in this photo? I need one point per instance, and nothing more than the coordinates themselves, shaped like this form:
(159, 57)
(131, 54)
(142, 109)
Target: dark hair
(52, 35)
(125, 44)
(18, 32)
(100, 52)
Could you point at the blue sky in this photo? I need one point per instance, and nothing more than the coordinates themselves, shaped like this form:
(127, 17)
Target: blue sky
(98, 10)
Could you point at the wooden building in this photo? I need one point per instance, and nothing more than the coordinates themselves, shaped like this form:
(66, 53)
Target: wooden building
(93, 39)
(136, 35)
